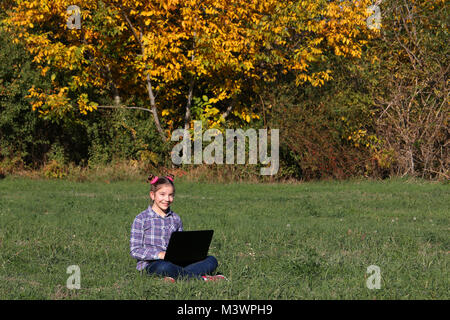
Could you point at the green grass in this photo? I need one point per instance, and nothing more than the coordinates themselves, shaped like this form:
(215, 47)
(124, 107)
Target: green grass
(285, 241)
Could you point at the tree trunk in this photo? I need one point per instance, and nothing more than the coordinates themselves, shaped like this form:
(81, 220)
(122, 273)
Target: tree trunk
(187, 115)
(153, 108)
(149, 83)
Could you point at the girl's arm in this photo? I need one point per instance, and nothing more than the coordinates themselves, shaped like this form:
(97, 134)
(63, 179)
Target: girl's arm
(180, 226)
(137, 249)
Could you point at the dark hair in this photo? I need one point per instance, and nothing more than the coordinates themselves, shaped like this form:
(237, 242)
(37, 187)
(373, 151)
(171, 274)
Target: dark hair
(160, 182)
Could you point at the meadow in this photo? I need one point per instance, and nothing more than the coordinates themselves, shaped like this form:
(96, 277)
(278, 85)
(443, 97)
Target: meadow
(310, 240)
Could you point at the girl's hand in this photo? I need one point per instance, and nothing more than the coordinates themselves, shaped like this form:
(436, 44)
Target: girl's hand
(161, 254)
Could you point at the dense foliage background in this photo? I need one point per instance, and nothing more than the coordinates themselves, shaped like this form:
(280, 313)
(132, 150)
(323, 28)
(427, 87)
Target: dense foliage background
(382, 113)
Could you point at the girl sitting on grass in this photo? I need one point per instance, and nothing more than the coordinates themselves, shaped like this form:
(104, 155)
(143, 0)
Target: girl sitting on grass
(150, 234)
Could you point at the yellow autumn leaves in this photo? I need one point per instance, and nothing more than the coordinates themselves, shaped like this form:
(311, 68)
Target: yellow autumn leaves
(223, 44)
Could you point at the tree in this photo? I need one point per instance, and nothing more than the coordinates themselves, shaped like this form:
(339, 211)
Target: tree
(413, 68)
(164, 49)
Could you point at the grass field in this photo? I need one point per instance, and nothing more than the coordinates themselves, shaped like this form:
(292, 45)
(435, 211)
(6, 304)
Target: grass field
(286, 241)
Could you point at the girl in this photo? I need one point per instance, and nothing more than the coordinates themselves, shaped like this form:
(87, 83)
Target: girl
(150, 234)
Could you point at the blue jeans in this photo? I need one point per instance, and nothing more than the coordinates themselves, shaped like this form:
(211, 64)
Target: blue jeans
(194, 270)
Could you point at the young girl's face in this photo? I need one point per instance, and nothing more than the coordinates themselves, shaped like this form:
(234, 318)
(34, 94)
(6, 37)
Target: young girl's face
(163, 197)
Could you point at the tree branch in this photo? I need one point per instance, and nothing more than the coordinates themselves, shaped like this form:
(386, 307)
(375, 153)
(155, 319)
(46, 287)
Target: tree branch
(231, 106)
(187, 115)
(148, 80)
(125, 107)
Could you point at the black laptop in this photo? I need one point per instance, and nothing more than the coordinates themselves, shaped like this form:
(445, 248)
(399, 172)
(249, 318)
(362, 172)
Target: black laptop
(186, 247)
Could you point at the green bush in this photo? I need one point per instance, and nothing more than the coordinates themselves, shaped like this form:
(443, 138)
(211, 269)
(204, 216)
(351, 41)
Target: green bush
(24, 136)
(29, 141)
(313, 136)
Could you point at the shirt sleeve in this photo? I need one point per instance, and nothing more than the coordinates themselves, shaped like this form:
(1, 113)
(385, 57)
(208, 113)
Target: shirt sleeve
(137, 249)
(180, 225)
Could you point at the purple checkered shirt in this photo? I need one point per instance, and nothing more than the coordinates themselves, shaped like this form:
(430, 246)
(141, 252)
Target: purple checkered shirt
(150, 234)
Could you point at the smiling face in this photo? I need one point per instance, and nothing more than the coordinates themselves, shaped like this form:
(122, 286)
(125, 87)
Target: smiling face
(162, 198)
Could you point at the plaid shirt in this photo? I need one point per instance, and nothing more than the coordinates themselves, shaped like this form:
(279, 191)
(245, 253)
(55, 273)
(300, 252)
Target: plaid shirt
(150, 234)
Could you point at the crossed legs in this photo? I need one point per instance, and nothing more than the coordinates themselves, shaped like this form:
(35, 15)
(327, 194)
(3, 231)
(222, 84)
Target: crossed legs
(194, 270)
